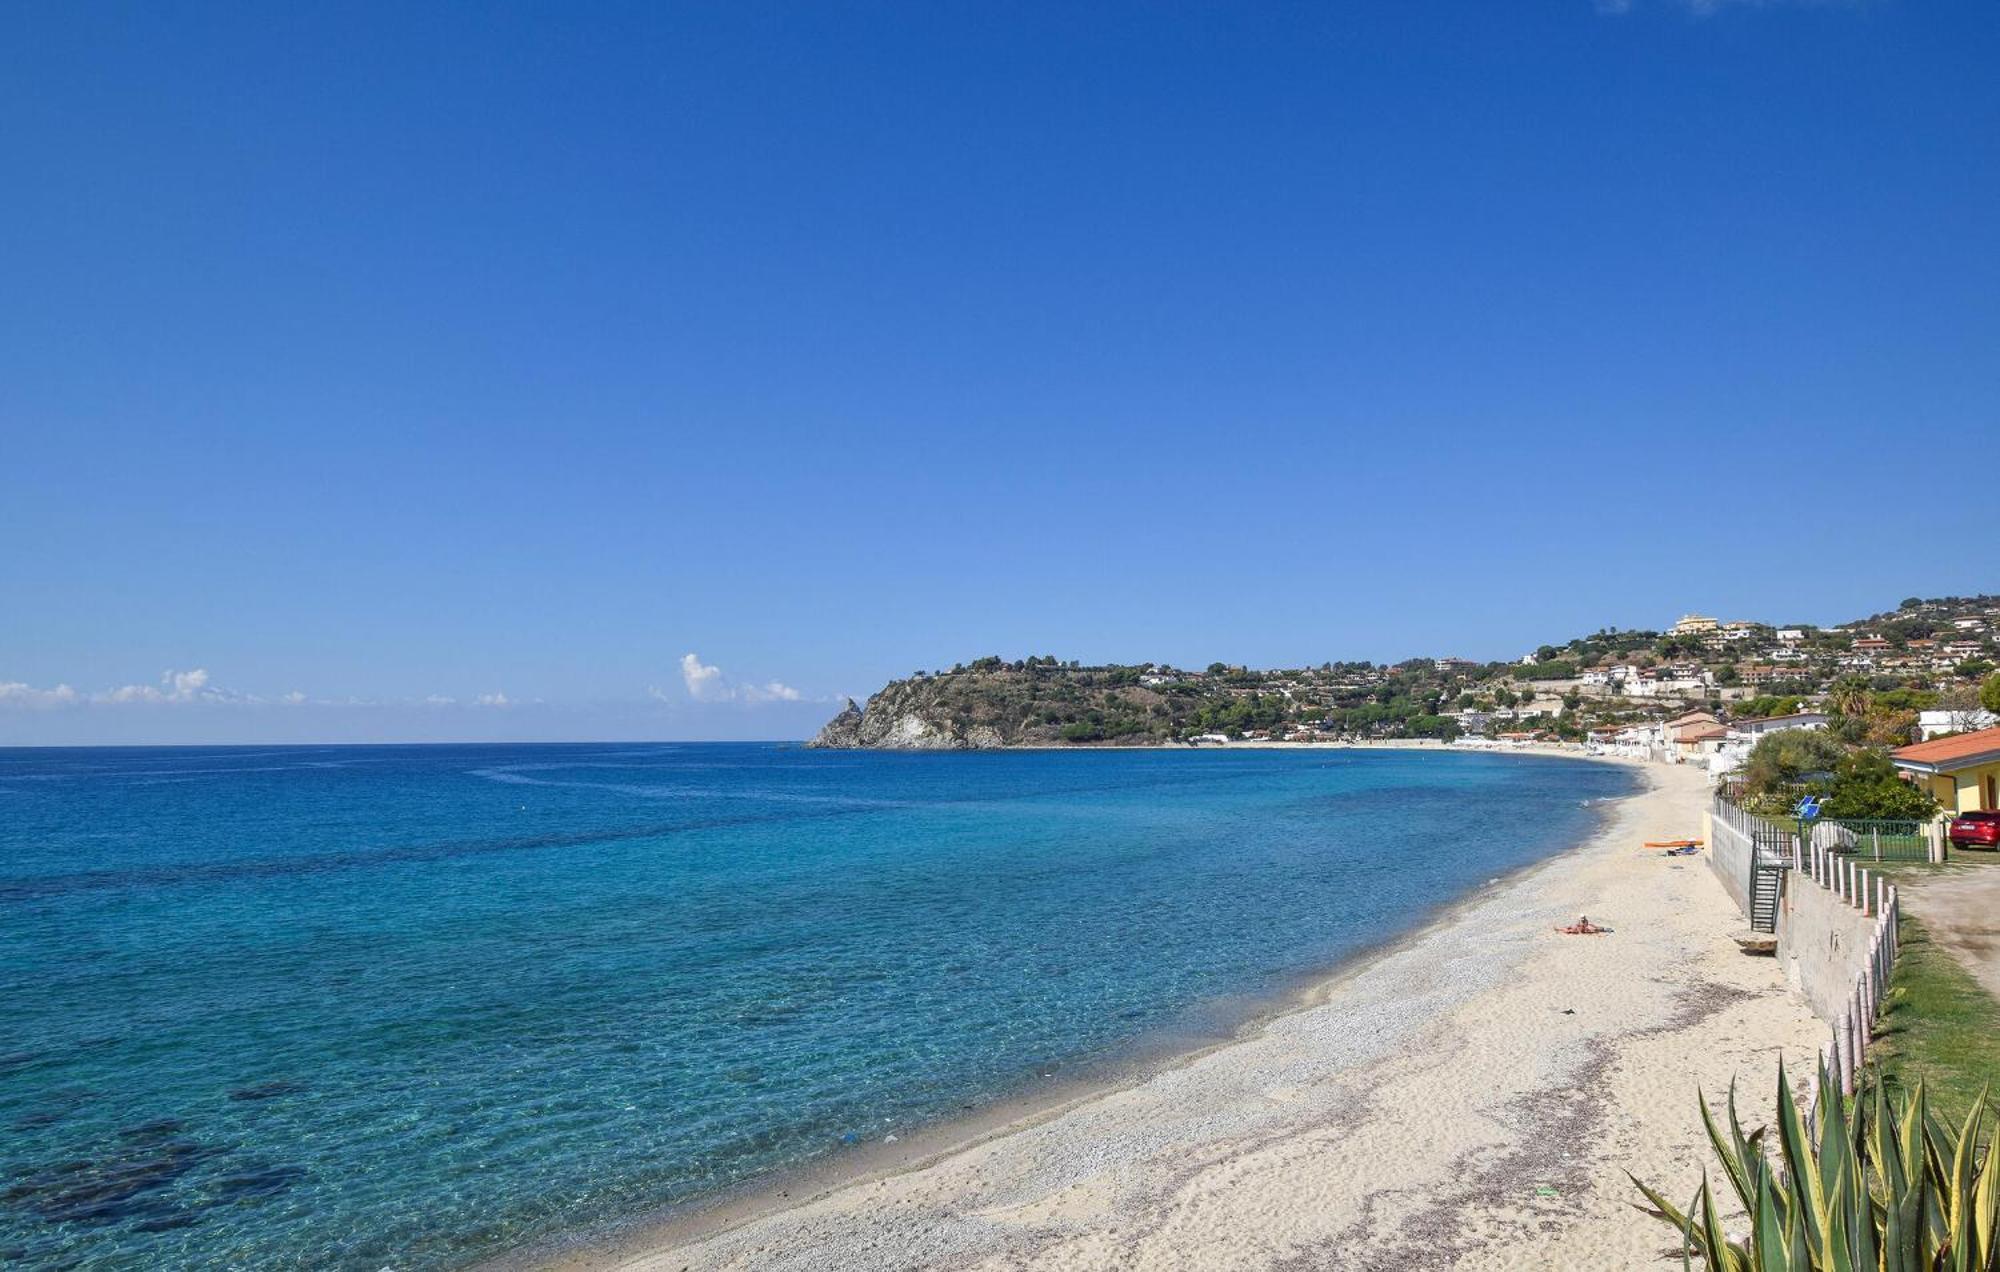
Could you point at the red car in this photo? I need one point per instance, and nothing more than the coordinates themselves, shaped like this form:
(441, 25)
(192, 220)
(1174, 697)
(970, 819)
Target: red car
(1975, 830)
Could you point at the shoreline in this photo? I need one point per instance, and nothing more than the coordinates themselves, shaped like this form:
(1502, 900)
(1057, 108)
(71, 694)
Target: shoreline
(782, 1219)
(1145, 1059)
(1546, 750)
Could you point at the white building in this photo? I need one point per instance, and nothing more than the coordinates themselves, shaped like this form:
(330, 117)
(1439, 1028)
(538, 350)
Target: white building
(1935, 724)
(1754, 729)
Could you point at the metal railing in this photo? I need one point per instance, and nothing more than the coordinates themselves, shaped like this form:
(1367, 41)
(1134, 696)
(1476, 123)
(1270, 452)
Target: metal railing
(1872, 838)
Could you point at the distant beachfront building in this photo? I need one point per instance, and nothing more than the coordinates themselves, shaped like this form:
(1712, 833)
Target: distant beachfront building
(1728, 753)
(1670, 682)
(1693, 625)
(1780, 724)
(1473, 723)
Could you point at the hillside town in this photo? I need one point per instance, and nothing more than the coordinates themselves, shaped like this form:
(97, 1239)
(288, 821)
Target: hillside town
(1701, 690)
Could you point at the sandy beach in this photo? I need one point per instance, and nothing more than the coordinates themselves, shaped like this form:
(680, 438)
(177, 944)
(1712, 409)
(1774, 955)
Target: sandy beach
(1470, 1098)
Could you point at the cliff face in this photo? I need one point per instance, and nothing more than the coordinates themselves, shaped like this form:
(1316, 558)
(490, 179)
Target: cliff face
(911, 715)
(994, 704)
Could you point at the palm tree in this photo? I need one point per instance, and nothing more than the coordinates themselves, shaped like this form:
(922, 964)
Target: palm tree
(1849, 697)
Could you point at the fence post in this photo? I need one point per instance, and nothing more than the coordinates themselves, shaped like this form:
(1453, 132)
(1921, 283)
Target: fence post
(1871, 997)
(1857, 1013)
(1843, 1045)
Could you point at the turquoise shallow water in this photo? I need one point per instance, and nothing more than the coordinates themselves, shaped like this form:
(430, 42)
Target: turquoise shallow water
(366, 1007)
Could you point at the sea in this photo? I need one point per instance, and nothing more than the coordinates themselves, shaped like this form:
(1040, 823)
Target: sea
(417, 1007)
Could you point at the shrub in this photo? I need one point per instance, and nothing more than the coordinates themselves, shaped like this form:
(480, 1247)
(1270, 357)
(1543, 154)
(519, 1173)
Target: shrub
(1780, 760)
(1865, 784)
(1892, 1188)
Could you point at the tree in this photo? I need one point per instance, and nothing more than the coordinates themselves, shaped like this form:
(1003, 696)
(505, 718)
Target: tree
(1849, 696)
(1989, 693)
(1780, 760)
(1888, 726)
(1866, 785)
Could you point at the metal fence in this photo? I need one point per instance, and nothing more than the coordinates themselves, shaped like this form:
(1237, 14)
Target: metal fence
(1743, 822)
(1872, 838)
(1750, 854)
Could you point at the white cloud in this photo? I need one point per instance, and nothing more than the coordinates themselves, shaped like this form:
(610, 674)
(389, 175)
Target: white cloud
(293, 699)
(440, 700)
(492, 700)
(13, 693)
(175, 686)
(706, 683)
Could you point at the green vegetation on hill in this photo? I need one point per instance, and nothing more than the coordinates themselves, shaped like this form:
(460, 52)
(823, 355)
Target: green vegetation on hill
(1873, 675)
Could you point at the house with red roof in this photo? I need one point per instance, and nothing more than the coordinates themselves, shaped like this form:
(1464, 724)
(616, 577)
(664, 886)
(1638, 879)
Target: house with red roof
(1963, 770)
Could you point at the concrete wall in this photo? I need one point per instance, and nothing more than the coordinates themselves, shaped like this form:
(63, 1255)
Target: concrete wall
(1822, 944)
(1729, 855)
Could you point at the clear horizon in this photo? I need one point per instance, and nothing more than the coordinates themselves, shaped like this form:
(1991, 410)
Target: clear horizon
(386, 375)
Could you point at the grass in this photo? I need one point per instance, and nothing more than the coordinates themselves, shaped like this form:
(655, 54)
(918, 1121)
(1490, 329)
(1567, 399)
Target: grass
(1940, 1026)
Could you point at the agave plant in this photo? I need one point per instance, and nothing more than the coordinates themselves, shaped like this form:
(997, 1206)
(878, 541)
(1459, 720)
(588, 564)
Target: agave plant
(1891, 1188)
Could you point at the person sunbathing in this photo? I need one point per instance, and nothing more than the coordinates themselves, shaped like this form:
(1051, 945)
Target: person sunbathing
(1583, 927)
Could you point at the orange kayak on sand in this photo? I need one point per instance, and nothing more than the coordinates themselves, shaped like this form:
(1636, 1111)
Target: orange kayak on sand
(1673, 843)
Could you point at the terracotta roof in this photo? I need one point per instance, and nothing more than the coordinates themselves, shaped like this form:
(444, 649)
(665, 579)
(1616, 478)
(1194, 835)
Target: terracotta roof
(1960, 751)
(1702, 733)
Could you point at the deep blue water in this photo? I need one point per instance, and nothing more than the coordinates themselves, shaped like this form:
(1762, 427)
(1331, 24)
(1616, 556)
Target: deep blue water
(366, 1007)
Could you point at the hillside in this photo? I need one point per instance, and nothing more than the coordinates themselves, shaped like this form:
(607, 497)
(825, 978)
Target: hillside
(1916, 656)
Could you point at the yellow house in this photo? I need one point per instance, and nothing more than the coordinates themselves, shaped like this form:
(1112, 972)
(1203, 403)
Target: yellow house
(1963, 770)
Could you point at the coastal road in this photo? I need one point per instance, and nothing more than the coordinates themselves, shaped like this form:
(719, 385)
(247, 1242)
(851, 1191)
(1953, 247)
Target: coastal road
(1961, 909)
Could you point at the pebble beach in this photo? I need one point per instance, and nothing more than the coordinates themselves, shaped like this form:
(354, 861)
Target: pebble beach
(1471, 1097)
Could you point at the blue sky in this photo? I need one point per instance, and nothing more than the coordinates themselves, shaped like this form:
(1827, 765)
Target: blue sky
(394, 357)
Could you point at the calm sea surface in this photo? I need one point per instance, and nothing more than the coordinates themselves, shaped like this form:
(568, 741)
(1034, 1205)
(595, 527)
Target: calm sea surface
(366, 1007)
